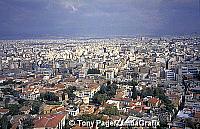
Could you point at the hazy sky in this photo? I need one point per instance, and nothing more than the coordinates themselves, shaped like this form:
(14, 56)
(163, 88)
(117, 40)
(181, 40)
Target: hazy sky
(98, 17)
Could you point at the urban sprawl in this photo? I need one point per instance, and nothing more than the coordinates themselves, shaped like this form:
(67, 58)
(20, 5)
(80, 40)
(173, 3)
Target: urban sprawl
(88, 83)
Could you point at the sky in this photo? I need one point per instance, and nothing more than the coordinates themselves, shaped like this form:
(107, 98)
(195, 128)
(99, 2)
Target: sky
(98, 18)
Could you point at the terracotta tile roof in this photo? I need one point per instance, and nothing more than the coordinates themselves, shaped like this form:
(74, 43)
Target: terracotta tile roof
(119, 94)
(154, 100)
(54, 122)
(2, 78)
(60, 86)
(97, 111)
(138, 109)
(93, 85)
(59, 108)
(48, 121)
(70, 79)
(15, 126)
(4, 110)
(41, 122)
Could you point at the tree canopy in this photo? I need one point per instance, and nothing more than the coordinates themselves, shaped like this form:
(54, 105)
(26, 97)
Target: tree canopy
(35, 107)
(93, 71)
(158, 92)
(14, 109)
(106, 92)
(100, 98)
(111, 110)
(70, 91)
(5, 123)
(134, 93)
(49, 96)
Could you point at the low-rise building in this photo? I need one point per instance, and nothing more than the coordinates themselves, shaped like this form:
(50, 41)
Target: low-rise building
(50, 121)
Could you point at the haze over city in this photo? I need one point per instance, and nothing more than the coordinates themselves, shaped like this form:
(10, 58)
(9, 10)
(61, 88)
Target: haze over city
(97, 18)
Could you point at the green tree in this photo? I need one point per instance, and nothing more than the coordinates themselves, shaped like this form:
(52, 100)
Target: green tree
(70, 91)
(134, 92)
(160, 93)
(21, 101)
(198, 76)
(111, 90)
(28, 123)
(111, 110)
(14, 109)
(100, 98)
(93, 71)
(10, 91)
(189, 123)
(106, 92)
(5, 123)
(36, 107)
(134, 83)
(7, 100)
(147, 92)
(88, 117)
(103, 89)
(49, 96)
(130, 83)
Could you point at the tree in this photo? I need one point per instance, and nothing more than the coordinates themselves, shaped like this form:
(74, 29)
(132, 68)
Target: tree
(35, 107)
(147, 92)
(111, 110)
(10, 81)
(7, 100)
(28, 123)
(160, 93)
(49, 96)
(93, 71)
(14, 109)
(134, 83)
(198, 76)
(21, 101)
(88, 117)
(134, 93)
(100, 98)
(130, 83)
(10, 91)
(5, 123)
(111, 90)
(105, 93)
(70, 91)
(108, 83)
(103, 89)
(189, 123)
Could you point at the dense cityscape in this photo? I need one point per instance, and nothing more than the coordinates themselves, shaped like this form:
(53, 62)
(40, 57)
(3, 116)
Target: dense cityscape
(88, 83)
